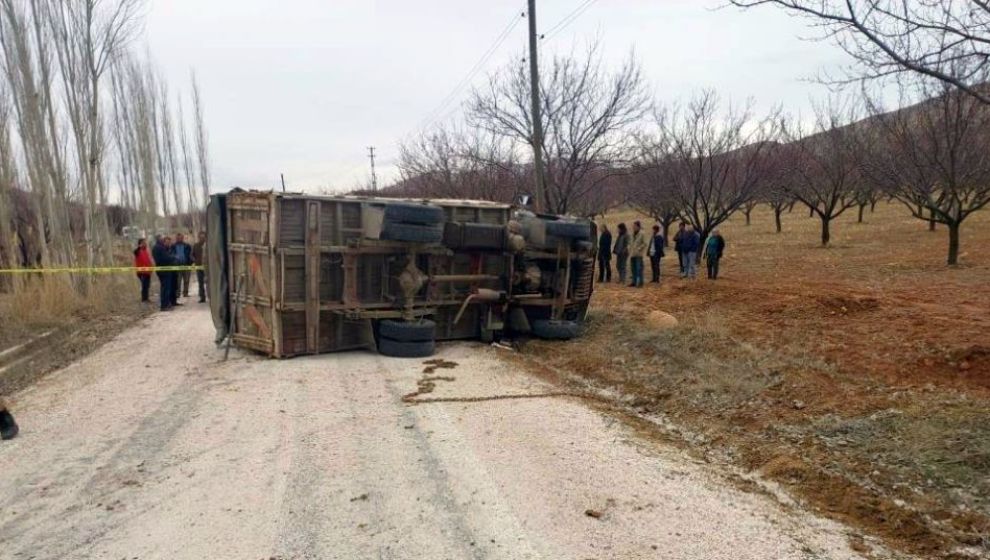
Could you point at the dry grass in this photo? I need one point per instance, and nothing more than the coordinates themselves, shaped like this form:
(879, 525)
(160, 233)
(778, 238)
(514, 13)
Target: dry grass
(53, 301)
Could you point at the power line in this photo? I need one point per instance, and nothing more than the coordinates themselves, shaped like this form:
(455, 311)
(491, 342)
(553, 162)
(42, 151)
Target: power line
(478, 66)
(567, 20)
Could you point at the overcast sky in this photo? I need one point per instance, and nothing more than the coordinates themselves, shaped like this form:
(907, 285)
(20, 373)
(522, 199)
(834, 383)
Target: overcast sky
(303, 87)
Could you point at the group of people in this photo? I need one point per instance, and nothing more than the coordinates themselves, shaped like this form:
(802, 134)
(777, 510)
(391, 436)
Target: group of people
(632, 249)
(172, 284)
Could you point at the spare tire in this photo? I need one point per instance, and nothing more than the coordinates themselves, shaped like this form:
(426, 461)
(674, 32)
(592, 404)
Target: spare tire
(408, 331)
(413, 233)
(570, 230)
(398, 349)
(556, 330)
(414, 214)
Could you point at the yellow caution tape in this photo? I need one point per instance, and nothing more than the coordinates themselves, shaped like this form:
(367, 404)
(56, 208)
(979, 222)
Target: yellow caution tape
(99, 270)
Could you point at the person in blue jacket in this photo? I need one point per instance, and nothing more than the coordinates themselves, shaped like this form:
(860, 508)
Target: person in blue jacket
(690, 244)
(162, 253)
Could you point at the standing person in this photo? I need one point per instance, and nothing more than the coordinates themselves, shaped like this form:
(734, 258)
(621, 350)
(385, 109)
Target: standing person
(8, 428)
(714, 249)
(143, 262)
(691, 244)
(656, 253)
(199, 259)
(621, 252)
(173, 274)
(679, 247)
(637, 252)
(605, 255)
(163, 257)
(183, 257)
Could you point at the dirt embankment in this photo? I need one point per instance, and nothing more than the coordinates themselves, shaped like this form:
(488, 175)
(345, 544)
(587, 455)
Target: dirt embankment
(49, 323)
(857, 376)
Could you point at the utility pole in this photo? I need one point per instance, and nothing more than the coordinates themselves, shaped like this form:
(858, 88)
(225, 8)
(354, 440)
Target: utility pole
(282, 175)
(374, 178)
(534, 80)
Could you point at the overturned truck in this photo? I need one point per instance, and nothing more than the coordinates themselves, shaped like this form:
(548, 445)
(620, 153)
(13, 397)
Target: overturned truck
(293, 274)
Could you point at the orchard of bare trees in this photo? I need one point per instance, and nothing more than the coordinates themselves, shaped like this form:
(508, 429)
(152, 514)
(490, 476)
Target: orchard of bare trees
(608, 144)
(91, 136)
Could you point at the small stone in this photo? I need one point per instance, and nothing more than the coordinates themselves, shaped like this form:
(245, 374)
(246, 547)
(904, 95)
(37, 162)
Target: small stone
(593, 513)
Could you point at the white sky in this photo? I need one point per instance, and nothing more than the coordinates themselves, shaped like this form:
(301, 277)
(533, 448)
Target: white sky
(303, 87)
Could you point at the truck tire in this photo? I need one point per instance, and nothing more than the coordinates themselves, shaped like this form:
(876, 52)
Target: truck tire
(408, 331)
(570, 230)
(8, 427)
(398, 349)
(556, 330)
(413, 233)
(421, 214)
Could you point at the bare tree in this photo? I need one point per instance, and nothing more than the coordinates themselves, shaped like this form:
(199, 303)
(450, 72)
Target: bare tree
(202, 140)
(948, 40)
(188, 173)
(587, 113)
(775, 192)
(8, 180)
(88, 36)
(651, 187)
(825, 165)
(21, 64)
(934, 157)
(449, 162)
(716, 159)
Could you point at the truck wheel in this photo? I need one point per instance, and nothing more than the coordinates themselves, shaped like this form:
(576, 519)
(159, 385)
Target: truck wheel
(414, 214)
(556, 330)
(8, 428)
(413, 233)
(397, 349)
(411, 331)
(570, 230)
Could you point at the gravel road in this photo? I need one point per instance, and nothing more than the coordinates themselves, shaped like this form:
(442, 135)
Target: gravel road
(152, 448)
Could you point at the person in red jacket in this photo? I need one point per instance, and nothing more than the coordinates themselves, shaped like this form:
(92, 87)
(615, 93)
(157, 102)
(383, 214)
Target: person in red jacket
(142, 260)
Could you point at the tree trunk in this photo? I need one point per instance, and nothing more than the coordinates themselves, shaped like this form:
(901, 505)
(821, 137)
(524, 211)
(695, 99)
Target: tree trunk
(862, 207)
(747, 213)
(826, 236)
(811, 211)
(776, 217)
(931, 220)
(666, 232)
(953, 243)
(873, 206)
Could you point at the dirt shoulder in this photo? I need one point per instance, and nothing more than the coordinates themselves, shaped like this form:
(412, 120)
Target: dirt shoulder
(51, 326)
(857, 377)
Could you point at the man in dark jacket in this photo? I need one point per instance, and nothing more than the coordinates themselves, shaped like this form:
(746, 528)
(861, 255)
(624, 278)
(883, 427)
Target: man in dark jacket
(679, 246)
(162, 253)
(690, 244)
(605, 255)
(183, 257)
(656, 253)
(199, 259)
